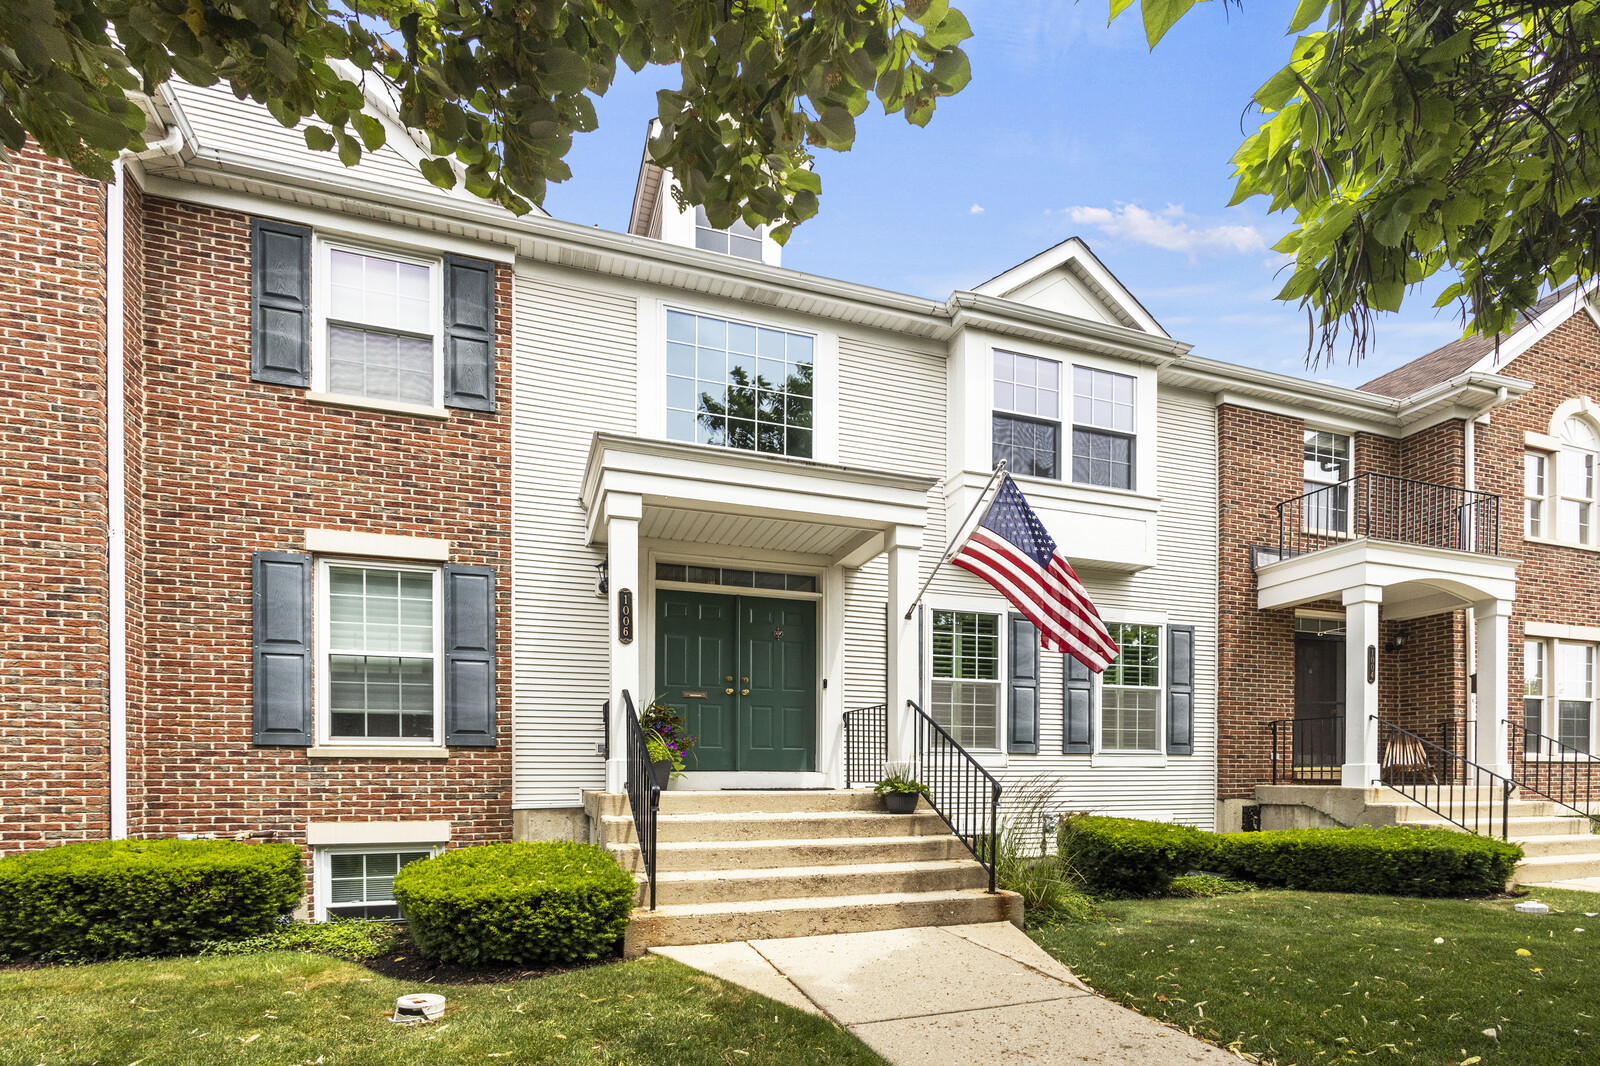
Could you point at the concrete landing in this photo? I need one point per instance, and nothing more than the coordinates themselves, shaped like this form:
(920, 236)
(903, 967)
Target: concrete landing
(931, 996)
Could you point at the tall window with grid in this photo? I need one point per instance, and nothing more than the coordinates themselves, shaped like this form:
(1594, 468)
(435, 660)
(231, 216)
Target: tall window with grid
(1534, 692)
(381, 325)
(966, 676)
(1102, 428)
(1327, 468)
(736, 385)
(1574, 694)
(1027, 414)
(381, 654)
(1131, 690)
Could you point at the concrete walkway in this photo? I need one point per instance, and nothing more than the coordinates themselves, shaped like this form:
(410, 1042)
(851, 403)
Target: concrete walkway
(951, 994)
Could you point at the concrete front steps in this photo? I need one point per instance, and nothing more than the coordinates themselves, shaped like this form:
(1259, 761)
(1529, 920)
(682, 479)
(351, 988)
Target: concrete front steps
(1557, 844)
(737, 865)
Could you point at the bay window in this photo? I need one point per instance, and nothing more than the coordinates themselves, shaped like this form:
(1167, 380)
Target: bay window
(1102, 428)
(966, 677)
(1027, 414)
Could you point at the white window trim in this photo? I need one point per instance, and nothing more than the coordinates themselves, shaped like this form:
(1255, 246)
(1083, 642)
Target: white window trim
(1070, 426)
(1140, 755)
(324, 710)
(824, 377)
(1545, 509)
(322, 866)
(1062, 423)
(1349, 508)
(321, 275)
(1002, 652)
(1553, 695)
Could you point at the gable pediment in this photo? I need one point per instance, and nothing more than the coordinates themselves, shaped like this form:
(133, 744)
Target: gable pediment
(1070, 280)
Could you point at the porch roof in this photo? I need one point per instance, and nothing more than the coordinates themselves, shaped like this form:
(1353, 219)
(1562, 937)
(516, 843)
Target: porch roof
(1416, 579)
(695, 494)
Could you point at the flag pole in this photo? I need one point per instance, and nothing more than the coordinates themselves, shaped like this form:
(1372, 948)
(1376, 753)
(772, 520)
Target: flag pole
(950, 550)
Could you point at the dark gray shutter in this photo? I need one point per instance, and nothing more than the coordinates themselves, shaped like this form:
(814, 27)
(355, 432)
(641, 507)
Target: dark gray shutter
(1022, 683)
(1077, 735)
(280, 303)
(1180, 690)
(469, 656)
(468, 334)
(281, 652)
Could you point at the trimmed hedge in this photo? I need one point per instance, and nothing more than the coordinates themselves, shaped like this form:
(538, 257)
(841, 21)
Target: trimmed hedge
(1126, 855)
(516, 904)
(108, 899)
(1392, 860)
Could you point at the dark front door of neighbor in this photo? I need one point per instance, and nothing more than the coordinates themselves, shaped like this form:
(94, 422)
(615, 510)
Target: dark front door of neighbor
(742, 670)
(1318, 700)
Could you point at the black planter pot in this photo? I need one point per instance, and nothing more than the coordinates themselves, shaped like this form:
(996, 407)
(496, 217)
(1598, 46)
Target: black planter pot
(901, 802)
(663, 772)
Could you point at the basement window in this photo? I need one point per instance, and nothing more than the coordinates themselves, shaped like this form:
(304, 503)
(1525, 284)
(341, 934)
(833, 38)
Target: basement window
(360, 883)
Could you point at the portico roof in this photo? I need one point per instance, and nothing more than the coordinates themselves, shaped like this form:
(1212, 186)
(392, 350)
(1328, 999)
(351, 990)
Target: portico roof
(1416, 579)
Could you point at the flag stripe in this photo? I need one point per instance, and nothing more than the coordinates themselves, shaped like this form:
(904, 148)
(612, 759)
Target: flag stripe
(1051, 592)
(1053, 637)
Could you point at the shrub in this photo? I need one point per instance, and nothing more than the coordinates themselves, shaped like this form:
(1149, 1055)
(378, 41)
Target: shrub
(1126, 855)
(344, 939)
(516, 904)
(107, 899)
(1204, 886)
(1391, 860)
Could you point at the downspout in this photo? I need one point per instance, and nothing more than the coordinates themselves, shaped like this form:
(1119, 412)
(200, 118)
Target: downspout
(116, 501)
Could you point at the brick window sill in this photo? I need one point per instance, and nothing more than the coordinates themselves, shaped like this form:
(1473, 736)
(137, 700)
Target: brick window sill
(416, 410)
(394, 751)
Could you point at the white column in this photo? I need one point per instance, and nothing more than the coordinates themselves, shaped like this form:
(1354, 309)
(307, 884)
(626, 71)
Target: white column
(622, 514)
(1361, 768)
(830, 757)
(903, 544)
(1493, 626)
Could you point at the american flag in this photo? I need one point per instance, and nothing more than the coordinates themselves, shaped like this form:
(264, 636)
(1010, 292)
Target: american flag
(1011, 550)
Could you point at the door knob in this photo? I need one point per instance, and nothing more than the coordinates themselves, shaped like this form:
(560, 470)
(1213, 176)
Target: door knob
(728, 678)
(746, 680)
(742, 692)
(728, 691)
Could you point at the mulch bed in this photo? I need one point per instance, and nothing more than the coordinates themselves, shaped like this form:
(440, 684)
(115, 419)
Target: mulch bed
(403, 964)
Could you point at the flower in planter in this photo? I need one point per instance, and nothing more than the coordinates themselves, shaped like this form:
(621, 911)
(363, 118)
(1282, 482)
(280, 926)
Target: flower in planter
(900, 777)
(665, 737)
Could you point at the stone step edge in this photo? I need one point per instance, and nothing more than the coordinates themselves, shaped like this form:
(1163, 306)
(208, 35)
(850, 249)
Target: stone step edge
(776, 816)
(780, 842)
(775, 873)
(801, 903)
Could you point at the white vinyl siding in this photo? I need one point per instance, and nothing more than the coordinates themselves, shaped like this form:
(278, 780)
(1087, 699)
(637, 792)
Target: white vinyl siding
(574, 374)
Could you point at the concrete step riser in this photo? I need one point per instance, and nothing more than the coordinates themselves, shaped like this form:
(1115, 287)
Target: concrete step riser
(656, 929)
(754, 828)
(1559, 868)
(839, 881)
(741, 802)
(1535, 847)
(766, 856)
(1412, 811)
(1519, 828)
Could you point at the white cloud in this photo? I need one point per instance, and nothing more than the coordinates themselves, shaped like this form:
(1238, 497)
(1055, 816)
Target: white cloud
(1170, 230)
(975, 209)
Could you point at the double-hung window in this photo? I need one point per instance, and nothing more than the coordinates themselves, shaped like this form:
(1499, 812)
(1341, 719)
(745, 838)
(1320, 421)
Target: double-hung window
(1574, 694)
(740, 239)
(1027, 414)
(736, 385)
(1535, 488)
(1327, 468)
(1130, 690)
(966, 677)
(360, 883)
(1575, 482)
(381, 327)
(1102, 428)
(1534, 692)
(380, 654)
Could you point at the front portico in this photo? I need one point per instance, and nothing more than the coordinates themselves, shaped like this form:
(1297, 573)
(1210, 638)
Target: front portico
(1379, 580)
(769, 540)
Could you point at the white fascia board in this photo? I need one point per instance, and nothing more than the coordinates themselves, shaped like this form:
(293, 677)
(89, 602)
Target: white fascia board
(1074, 251)
(995, 315)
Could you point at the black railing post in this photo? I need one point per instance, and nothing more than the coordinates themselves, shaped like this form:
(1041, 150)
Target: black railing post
(956, 784)
(644, 794)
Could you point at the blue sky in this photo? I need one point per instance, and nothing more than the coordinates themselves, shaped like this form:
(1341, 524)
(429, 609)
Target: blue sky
(1069, 128)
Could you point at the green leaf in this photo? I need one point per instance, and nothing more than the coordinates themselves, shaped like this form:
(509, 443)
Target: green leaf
(951, 31)
(838, 127)
(564, 72)
(318, 139)
(1160, 15)
(371, 131)
(952, 71)
(1307, 13)
(1117, 8)
(438, 171)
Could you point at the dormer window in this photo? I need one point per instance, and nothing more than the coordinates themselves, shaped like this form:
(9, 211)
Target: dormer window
(738, 239)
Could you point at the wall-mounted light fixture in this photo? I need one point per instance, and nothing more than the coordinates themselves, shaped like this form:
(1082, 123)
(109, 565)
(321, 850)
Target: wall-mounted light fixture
(1398, 642)
(602, 569)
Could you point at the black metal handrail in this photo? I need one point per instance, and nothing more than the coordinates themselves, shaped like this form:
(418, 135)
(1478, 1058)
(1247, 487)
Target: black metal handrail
(960, 790)
(866, 744)
(1450, 785)
(644, 794)
(1384, 507)
(1553, 769)
(1307, 749)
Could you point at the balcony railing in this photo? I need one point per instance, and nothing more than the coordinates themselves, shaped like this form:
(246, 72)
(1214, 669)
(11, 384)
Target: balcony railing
(1383, 507)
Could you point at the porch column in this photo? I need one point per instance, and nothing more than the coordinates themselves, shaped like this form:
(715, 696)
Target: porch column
(622, 514)
(1492, 619)
(1361, 767)
(903, 545)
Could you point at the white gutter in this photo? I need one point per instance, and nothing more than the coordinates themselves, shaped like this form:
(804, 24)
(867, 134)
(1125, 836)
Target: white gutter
(116, 503)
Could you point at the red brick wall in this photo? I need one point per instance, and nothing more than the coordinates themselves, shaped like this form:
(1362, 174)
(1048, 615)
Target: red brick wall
(232, 467)
(53, 653)
(133, 318)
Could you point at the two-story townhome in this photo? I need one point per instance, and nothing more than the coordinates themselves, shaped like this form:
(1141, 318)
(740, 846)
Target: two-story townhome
(379, 508)
(1408, 591)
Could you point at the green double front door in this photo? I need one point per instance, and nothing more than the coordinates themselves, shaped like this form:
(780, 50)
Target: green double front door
(743, 672)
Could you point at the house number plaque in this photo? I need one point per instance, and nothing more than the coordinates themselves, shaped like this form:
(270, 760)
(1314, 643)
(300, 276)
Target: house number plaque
(625, 615)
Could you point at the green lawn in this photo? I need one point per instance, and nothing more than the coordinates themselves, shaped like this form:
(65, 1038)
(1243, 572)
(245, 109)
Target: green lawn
(292, 1008)
(1304, 977)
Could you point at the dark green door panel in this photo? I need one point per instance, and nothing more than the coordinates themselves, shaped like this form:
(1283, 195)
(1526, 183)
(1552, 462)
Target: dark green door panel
(778, 649)
(695, 657)
(763, 649)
